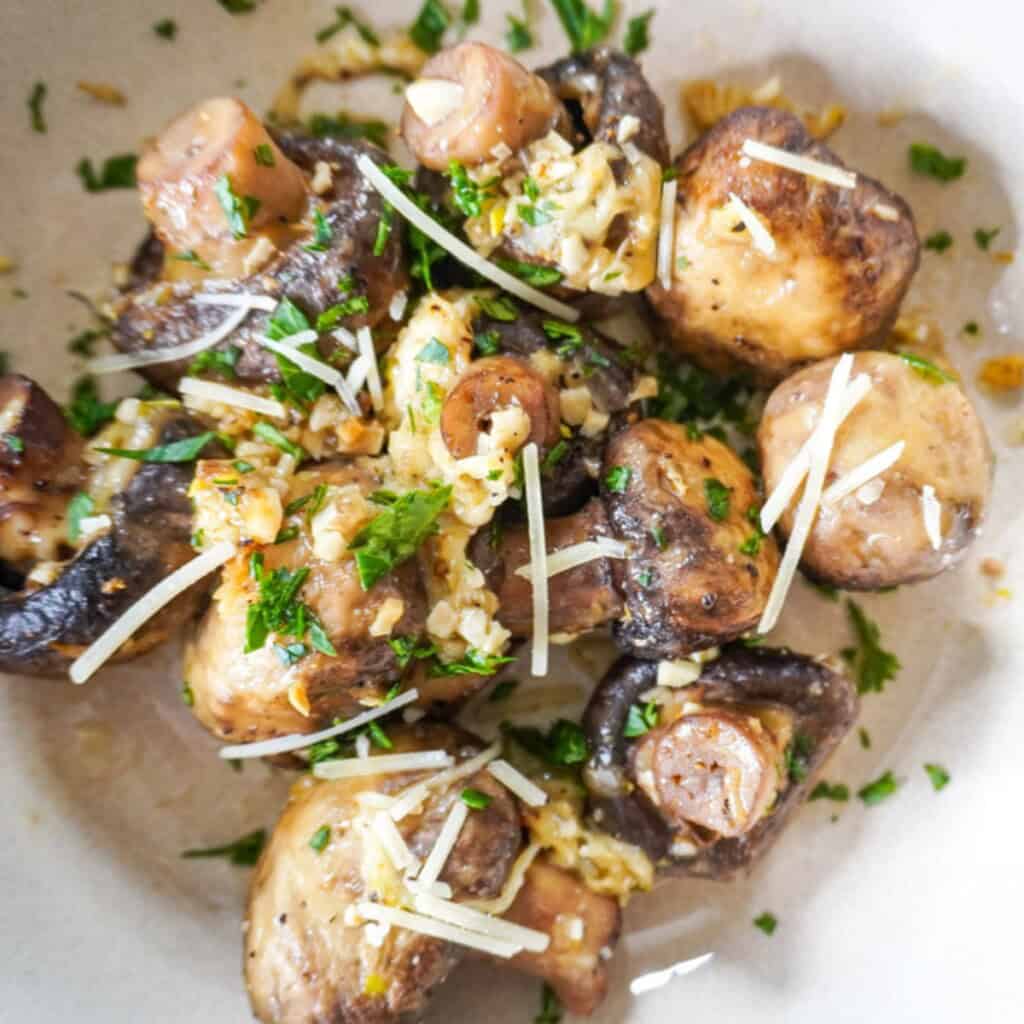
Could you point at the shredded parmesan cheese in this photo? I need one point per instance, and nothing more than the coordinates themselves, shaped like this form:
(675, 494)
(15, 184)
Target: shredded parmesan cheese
(759, 234)
(231, 396)
(444, 844)
(821, 452)
(538, 560)
(801, 164)
(365, 341)
(398, 303)
(97, 653)
(678, 673)
(299, 741)
(437, 929)
(316, 368)
(483, 924)
(666, 232)
(867, 470)
(513, 883)
(462, 252)
(393, 842)
(383, 764)
(578, 554)
(516, 782)
(931, 511)
(242, 300)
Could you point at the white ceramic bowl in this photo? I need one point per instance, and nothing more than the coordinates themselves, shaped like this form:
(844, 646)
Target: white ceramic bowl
(909, 911)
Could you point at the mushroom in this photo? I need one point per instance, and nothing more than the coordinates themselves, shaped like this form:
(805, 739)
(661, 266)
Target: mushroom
(916, 517)
(45, 626)
(827, 275)
(470, 99)
(317, 264)
(711, 784)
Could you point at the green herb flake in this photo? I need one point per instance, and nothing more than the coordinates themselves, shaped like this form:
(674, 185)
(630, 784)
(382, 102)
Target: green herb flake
(502, 691)
(487, 343)
(926, 368)
(767, 922)
(972, 328)
(188, 698)
(617, 479)
(264, 155)
(320, 838)
(474, 799)
(938, 775)
(872, 664)
(290, 654)
(166, 28)
(501, 307)
(641, 719)
(396, 533)
(585, 27)
(983, 238)
(568, 743)
(531, 273)
(14, 443)
(518, 36)
(343, 17)
(434, 352)
(718, 497)
(637, 34)
(429, 27)
(881, 789)
(238, 210)
(238, 6)
(269, 433)
(865, 738)
(116, 172)
(36, 99)
(550, 1007)
(79, 507)
(355, 306)
(379, 737)
(472, 663)
(321, 234)
(467, 195)
(932, 163)
(836, 791)
(407, 648)
(940, 241)
(187, 449)
(798, 756)
(191, 256)
(242, 852)
(220, 362)
(343, 126)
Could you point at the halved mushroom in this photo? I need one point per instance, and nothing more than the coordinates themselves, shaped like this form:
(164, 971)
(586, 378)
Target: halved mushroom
(710, 786)
(288, 684)
(917, 516)
(316, 263)
(827, 276)
(470, 99)
(64, 606)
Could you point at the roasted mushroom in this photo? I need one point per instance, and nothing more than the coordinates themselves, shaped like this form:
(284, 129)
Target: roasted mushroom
(63, 606)
(708, 788)
(320, 254)
(825, 273)
(917, 516)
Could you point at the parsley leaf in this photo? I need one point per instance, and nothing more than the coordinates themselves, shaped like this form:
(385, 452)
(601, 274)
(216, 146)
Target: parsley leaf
(286, 320)
(82, 344)
(767, 922)
(466, 193)
(238, 6)
(881, 789)
(983, 239)
(797, 757)
(14, 443)
(191, 256)
(926, 368)
(584, 27)
(79, 507)
(473, 663)
(928, 160)
(429, 27)
(563, 744)
(531, 273)
(344, 17)
(343, 126)
(474, 799)
(865, 738)
(218, 361)
(939, 776)
(637, 36)
(617, 479)
(396, 533)
(264, 155)
(320, 838)
(518, 36)
(872, 665)
(550, 1007)
(116, 172)
(166, 28)
(355, 306)
(243, 853)
(718, 498)
(35, 107)
(641, 719)
(408, 647)
(940, 241)
(322, 234)
(837, 791)
(185, 450)
(501, 307)
(86, 413)
(277, 609)
(269, 433)
(487, 343)
(239, 210)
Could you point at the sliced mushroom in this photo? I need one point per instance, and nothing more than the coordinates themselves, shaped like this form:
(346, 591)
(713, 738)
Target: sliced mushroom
(315, 273)
(841, 259)
(711, 785)
(308, 956)
(44, 628)
(698, 575)
(917, 517)
(471, 98)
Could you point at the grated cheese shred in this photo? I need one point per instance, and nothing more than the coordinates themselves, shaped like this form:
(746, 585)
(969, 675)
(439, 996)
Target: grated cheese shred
(438, 929)
(666, 232)
(578, 554)
(538, 559)
(837, 176)
(931, 512)
(225, 395)
(865, 472)
(530, 939)
(382, 764)
(759, 234)
(328, 374)
(444, 844)
(516, 782)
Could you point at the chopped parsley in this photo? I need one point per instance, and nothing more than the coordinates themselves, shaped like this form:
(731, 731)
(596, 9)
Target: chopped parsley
(238, 210)
(474, 799)
(320, 838)
(286, 320)
(467, 195)
(322, 234)
(79, 507)
(641, 719)
(563, 744)
(658, 536)
(926, 368)
(570, 336)
(825, 590)
(264, 155)
(166, 28)
(718, 498)
(269, 433)
(531, 273)
(584, 27)
(220, 362)
(343, 126)
(472, 663)
(83, 343)
(191, 256)
(938, 775)
(872, 664)
(289, 654)
(434, 352)
(971, 328)
(116, 172)
(983, 239)
(502, 690)
(751, 547)
(429, 27)
(932, 163)
(343, 17)
(487, 343)
(501, 307)
(185, 450)
(550, 1007)
(940, 241)
(14, 443)
(637, 35)
(355, 306)
(690, 395)
(865, 738)
(617, 479)
(35, 107)
(798, 756)
(408, 647)
(238, 6)
(188, 698)
(243, 853)
(518, 36)
(837, 791)
(315, 499)
(767, 922)
(881, 789)
(397, 532)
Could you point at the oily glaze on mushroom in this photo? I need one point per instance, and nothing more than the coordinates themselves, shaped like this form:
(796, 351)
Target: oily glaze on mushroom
(64, 605)
(841, 259)
(317, 265)
(707, 788)
(917, 517)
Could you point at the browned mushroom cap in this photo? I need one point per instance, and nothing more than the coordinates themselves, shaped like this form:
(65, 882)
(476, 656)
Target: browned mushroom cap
(471, 98)
(878, 535)
(580, 599)
(213, 156)
(494, 383)
(843, 258)
(709, 788)
(40, 468)
(308, 959)
(694, 579)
